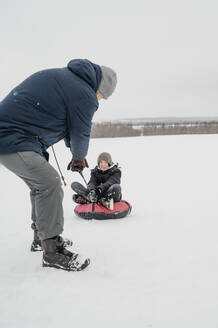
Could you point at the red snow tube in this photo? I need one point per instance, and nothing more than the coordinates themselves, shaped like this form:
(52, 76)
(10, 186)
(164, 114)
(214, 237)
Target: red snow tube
(98, 212)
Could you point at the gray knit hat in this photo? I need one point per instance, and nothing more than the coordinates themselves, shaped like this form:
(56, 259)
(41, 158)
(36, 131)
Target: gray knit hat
(105, 157)
(108, 82)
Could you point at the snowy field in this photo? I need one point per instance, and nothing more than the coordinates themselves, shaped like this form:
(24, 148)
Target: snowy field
(156, 268)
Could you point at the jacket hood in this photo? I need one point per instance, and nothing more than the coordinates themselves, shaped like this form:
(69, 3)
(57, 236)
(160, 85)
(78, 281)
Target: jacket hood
(86, 70)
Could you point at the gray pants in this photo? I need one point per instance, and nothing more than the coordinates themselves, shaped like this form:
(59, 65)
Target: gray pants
(46, 193)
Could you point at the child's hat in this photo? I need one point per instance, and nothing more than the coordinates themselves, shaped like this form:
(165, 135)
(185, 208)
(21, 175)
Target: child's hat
(105, 157)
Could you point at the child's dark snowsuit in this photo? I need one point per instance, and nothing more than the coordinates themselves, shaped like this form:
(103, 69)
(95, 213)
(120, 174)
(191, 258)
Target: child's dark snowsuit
(107, 181)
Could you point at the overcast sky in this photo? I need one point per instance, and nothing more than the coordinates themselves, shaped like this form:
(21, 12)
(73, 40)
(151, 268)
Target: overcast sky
(165, 52)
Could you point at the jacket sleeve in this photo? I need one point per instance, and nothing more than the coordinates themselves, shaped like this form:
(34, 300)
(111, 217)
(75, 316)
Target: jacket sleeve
(92, 182)
(113, 179)
(79, 123)
(67, 141)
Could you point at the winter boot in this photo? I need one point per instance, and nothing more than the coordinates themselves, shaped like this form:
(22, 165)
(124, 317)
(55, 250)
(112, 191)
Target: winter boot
(107, 202)
(79, 199)
(54, 256)
(61, 247)
(36, 245)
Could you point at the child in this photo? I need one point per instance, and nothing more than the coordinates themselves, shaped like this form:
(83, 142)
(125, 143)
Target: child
(104, 184)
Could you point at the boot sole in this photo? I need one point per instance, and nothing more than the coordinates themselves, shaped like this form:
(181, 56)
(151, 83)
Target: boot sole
(51, 265)
(36, 249)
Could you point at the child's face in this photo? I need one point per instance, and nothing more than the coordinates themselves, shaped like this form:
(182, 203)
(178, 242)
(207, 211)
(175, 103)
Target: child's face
(103, 165)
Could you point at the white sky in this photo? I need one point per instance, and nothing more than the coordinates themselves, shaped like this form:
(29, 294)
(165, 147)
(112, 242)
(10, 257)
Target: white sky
(164, 51)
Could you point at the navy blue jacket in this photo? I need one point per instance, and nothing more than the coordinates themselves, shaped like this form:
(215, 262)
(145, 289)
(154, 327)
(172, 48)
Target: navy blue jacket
(51, 105)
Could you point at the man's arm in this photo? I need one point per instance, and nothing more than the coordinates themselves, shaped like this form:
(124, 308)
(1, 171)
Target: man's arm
(79, 123)
(67, 140)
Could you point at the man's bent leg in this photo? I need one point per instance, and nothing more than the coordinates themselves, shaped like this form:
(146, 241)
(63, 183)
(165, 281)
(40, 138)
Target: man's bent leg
(44, 179)
(33, 205)
(41, 176)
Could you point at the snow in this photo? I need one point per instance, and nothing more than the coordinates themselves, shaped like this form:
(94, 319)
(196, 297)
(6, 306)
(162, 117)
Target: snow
(156, 268)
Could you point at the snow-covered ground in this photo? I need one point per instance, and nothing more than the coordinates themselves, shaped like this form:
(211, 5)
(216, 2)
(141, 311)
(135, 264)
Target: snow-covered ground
(156, 268)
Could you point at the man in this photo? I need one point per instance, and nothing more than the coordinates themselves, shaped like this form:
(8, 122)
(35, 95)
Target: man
(48, 106)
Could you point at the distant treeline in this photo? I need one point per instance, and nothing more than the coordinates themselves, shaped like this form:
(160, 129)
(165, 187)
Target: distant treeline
(159, 126)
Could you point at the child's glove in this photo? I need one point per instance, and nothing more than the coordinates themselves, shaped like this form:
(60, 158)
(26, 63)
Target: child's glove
(77, 164)
(99, 192)
(92, 196)
(101, 188)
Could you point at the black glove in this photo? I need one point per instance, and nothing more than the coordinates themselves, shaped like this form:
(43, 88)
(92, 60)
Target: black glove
(77, 164)
(93, 196)
(101, 188)
(99, 192)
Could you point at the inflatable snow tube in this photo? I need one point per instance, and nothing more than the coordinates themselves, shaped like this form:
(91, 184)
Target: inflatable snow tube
(98, 212)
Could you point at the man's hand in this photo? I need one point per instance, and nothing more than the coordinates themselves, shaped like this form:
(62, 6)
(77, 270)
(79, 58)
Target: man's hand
(77, 164)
